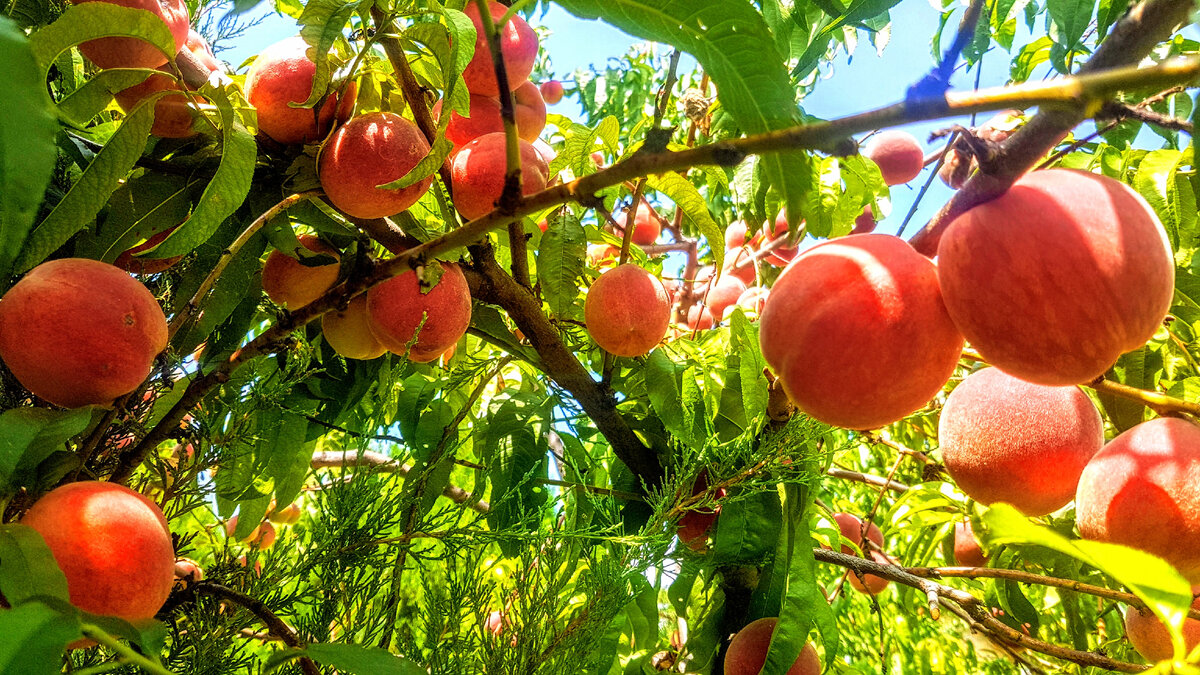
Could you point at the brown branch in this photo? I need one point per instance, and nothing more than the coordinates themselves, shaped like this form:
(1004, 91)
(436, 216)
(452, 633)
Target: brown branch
(273, 623)
(1159, 403)
(869, 479)
(1138, 112)
(1131, 40)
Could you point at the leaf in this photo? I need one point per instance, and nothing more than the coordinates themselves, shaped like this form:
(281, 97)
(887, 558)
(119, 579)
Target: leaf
(663, 389)
(321, 24)
(748, 527)
(30, 435)
(560, 261)
(27, 130)
(94, 96)
(27, 567)
(695, 209)
(92, 20)
(744, 342)
(1156, 181)
(731, 41)
(517, 456)
(140, 208)
(353, 659)
(91, 192)
(35, 636)
(229, 185)
(1072, 18)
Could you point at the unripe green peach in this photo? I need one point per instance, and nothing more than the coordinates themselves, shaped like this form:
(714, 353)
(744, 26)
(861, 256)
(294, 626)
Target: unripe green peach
(856, 331)
(398, 306)
(1059, 276)
(281, 75)
(113, 545)
(898, 155)
(369, 151)
(127, 52)
(748, 651)
(477, 173)
(1007, 440)
(627, 311)
(292, 284)
(80, 332)
(348, 331)
(518, 46)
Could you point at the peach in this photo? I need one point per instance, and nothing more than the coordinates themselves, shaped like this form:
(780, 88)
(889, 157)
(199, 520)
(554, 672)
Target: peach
(865, 222)
(967, 551)
(478, 169)
(646, 226)
(851, 527)
(484, 116)
(957, 166)
(735, 235)
(723, 293)
(283, 74)
(1143, 490)
(856, 331)
(1054, 280)
(753, 299)
(1150, 637)
(261, 537)
(694, 526)
(601, 256)
(627, 311)
(174, 114)
(699, 318)
(496, 623)
(288, 515)
(518, 46)
(291, 283)
(870, 584)
(130, 262)
(783, 255)
(552, 91)
(80, 332)
(113, 545)
(196, 43)
(398, 306)
(348, 331)
(748, 651)
(369, 151)
(187, 571)
(898, 155)
(734, 267)
(126, 52)
(1007, 440)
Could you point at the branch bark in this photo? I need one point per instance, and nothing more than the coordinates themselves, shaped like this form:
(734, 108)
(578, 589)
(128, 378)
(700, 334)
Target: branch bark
(273, 623)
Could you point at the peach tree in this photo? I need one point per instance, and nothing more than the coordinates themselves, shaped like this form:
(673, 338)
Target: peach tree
(455, 383)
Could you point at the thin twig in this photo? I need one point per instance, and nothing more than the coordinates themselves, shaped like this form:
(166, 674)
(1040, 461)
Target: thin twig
(264, 614)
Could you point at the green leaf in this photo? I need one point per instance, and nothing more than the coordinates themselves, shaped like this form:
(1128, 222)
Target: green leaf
(92, 20)
(27, 567)
(695, 209)
(1072, 18)
(321, 24)
(140, 208)
(348, 658)
(91, 192)
(517, 456)
(30, 435)
(731, 41)
(229, 186)
(748, 527)
(663, 388)
(94, 96)
(1156, 181)
(560, 260)
(35, 636)
(27, 130)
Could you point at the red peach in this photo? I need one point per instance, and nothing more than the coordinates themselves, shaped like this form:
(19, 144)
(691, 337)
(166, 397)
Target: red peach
(484, 116)
(699, 318)
(369, 151)
(870, 584)
(627, 311)
(967, 551)
(865, 222)
(851, 527)
(125, 52)
(694, 526)
(113, 545)
(783, 255)
(478, 169)
(1150, 637)
(283, 74)
(518, 45)
(723, 293)
(856, 331)
(398, 306)
(735, 235)
(348, 331)
(646, 226)
(753, 299)
(748, 651)
(80, 332)
(898, 155)
(957, 167)
(196, 43)
(601, 256)
(552, 91)
(1059, 276)
(1007, 440)
(292, 284)
(1143, 490)
(130, 262)
(187, 571)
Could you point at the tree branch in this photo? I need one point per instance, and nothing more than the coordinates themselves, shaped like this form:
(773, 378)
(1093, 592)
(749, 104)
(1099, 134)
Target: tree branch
(264, 614)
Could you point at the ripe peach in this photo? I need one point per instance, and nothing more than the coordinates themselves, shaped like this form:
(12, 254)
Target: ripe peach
(699, 318)
(646, 226)
(870, 584)
(851, 527)
(783, 255)
(967, 551)
(80, 332)
(734, 267)
(283, 74)
(552, 91)
(261, 537)
(349, 331)
(748, 651)
(290, 283)
(1058, 277)
(129, 261)
(1007, 440)
(957, 167)
(627, 311)
(735, 235)
(125, 52)
(518, 45)
(1143, 490)
(369, 151)
(865, 222)
(898, 155)
(753, 299)
(196, 43)
(113, 545)
(187, 571)
(484, 116)
(496, 623)
(1150, 637)
(724, 293)
(174, 114)
(601, 256)
(694, 525)
(398, 306)
(856, 331)
(477, 174)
